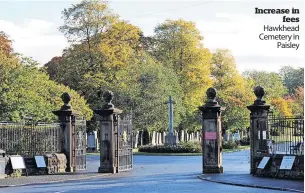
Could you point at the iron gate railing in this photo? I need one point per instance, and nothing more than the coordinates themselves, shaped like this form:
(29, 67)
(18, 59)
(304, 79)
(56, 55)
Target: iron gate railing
(30, 139)
(286, 135)
(124, 144)
(80, 145)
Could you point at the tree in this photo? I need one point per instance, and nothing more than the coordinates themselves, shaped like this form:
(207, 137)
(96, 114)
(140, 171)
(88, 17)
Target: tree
(85, 22)
(233, 91)
(53, 66)
(118, 47)
(155, 83)
(292, 78)
(5, 44)
(271, 82)
(282, 107)
(298, 103)
(177, 45)
(26, 91)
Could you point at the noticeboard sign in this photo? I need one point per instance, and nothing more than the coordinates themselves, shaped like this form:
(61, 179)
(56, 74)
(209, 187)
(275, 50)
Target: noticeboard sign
(40, 162)
(263, 162)
(287, 162)
(210, 135)
(17, 162)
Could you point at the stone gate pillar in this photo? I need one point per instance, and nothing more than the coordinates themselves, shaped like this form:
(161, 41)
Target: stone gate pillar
(211, 134)
(108, 127)
(67, 119)
(258, 128)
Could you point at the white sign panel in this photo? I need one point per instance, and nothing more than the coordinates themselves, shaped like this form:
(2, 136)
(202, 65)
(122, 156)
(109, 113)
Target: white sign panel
(17, 162)
(40, 163)
(287, 162)
(264, 135)
(263, 162)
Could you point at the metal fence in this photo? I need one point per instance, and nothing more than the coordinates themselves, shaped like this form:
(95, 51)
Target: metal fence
(286, 135)
(80, 145)
(30, 139)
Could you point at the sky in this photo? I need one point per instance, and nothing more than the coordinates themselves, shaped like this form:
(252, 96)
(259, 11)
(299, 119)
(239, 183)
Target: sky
(224, 24)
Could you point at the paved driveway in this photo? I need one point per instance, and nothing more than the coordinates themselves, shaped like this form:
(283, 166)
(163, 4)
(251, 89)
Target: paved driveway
(151, 174)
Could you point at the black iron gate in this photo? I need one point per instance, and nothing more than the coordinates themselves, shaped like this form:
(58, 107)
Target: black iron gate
(124, 145)
(79, 144)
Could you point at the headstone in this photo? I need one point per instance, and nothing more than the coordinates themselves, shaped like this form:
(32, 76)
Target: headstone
(197, 135)
(163, 137)
(153, 138)
(177, 137)
(140, 138)
(236, 136)
(145, 137)
(226, 137)
(91, 140)
(230, 137)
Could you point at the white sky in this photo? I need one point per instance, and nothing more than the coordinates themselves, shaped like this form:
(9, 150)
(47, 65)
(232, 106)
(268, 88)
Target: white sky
(33, 25)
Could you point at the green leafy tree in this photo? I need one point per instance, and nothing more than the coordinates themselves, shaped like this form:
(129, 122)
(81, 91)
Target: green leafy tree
(85, 22)
(234, 92)
(292, 78)
(177, 45)
(26, 91)
(271, 82)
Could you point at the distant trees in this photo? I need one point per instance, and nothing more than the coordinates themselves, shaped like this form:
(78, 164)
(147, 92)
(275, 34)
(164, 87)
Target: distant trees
(234, 91)
(107, 52)
(27, 91)
(282, 89)
(292, 78)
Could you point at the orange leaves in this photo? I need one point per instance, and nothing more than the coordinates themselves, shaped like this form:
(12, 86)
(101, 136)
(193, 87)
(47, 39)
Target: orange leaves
(282, 106)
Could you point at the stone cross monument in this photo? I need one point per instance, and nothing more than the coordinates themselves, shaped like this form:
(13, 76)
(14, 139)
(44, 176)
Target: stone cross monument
(170, 138)
(211, 134)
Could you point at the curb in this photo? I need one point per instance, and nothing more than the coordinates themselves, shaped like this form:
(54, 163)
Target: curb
(54, 181)
(249, 185)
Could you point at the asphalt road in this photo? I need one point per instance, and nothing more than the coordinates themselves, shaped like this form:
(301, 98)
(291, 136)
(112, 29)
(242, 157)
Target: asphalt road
(151, 174)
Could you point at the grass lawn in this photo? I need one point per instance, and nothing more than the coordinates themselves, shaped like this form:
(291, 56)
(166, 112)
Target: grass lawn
(286, 138)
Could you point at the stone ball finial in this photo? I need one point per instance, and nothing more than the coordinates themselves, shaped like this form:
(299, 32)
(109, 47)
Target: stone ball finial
(211, 94)
(259, 93)
(108, 96)
(66, 98)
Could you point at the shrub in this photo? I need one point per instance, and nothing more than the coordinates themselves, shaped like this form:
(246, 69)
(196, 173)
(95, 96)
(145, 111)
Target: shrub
(275, 132)
(192, 146)
(184, 147)
(244, 141)
(229, 144)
